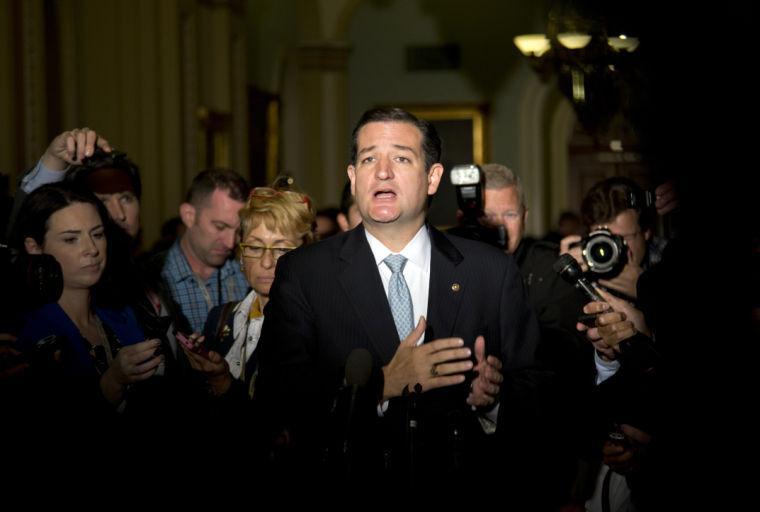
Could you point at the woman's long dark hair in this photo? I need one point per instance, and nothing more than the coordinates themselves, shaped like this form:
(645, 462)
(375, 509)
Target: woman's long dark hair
(33, 222)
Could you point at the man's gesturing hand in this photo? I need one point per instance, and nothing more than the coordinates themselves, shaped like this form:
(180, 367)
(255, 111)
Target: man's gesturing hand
(487, 385)
(433, 365)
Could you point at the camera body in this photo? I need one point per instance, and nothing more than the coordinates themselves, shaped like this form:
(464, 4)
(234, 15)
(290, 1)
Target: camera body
(469, 182)
(605, 254)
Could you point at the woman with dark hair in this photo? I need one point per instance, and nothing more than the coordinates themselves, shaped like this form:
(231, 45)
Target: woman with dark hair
(84, 353)
(83, 158)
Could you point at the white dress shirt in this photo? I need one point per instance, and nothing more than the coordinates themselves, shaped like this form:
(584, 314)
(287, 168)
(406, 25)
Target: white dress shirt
(605, 369)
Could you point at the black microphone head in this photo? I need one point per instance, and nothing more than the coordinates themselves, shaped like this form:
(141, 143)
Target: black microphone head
(568, 268)
(358, 367)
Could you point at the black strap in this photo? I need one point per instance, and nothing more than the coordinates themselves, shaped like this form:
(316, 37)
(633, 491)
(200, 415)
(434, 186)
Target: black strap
(219, 286)
(223, 315)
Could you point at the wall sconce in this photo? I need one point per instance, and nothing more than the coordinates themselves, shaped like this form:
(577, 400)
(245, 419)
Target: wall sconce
(592, 68)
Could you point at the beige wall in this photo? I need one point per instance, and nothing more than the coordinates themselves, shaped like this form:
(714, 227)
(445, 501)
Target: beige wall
(298, 50)
(138, 70)
(134, 70)
(329, 60)
(9, 147)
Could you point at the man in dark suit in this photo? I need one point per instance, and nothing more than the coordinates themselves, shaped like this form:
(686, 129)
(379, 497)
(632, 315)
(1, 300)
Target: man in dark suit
(424, 410)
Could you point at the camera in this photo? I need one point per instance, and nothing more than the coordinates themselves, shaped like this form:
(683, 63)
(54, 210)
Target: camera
(605, 254)
(36, 279)
(469, 182)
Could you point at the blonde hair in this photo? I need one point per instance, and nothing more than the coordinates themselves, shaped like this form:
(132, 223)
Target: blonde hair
(289, 212)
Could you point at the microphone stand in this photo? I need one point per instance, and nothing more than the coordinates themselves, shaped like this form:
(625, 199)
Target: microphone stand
(347, 448)
(412, 427)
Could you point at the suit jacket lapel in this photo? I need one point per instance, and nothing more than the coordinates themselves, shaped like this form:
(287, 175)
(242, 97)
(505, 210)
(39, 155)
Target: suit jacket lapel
(446, 286)
(360, 280)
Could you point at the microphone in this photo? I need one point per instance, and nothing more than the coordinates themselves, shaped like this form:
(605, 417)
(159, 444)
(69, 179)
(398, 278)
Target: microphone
(358, 368)
(639, 349)
(358, 371)
(571, 271)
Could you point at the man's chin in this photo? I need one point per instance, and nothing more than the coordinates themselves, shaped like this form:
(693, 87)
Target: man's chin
(217, 260)
(384, 217)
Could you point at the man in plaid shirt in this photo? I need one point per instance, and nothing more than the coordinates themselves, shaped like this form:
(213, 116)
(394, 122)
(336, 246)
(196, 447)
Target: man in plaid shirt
(197, 269)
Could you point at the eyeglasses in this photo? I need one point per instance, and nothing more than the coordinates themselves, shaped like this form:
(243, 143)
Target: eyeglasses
(257, 251)
(630, 237)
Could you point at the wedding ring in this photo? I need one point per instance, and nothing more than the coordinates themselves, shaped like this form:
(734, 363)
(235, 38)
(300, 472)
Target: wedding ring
(433, 371)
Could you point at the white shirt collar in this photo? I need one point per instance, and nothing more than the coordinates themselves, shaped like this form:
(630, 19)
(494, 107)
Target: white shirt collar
(417, 251)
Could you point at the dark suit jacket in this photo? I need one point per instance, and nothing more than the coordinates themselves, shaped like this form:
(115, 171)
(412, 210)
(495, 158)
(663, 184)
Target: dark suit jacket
(327, 299)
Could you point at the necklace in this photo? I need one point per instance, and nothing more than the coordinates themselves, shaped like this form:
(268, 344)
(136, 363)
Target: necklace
(104, 339)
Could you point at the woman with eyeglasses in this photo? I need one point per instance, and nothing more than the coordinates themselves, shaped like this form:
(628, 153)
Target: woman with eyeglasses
(272, 223)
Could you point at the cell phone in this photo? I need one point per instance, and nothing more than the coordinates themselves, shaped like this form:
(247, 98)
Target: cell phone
(588, 320)
(199, 349)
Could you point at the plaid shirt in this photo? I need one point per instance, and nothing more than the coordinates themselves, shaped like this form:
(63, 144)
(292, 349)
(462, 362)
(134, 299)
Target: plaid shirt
(195, 297)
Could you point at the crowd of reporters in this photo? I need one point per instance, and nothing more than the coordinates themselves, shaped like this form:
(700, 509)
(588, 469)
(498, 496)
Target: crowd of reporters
(99, 335)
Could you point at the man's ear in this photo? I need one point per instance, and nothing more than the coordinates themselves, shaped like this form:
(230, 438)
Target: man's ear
(526, 210)
(351, 171)
(31, 246)
(434, 178)
(647, 234)
(187, 214)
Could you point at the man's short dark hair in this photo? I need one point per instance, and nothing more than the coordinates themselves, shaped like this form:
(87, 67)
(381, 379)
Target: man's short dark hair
(611, 197)
(431, 142)
(207, 181)
(100, 159)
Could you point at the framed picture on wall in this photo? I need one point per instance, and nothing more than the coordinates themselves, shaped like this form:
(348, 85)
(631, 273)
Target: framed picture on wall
(464, 134)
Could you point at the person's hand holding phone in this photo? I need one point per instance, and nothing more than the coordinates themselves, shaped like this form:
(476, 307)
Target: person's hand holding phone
(211, 364)
(133, 363)
(193, 343)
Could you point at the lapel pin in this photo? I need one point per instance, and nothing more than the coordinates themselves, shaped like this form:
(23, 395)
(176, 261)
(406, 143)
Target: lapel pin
(455, 287)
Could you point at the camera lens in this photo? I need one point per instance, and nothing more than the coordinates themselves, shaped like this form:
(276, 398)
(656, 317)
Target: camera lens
(601, 252)
(604, 253)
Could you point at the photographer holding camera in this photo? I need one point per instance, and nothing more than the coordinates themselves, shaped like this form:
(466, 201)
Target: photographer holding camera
(616, 210)
(616, 253)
